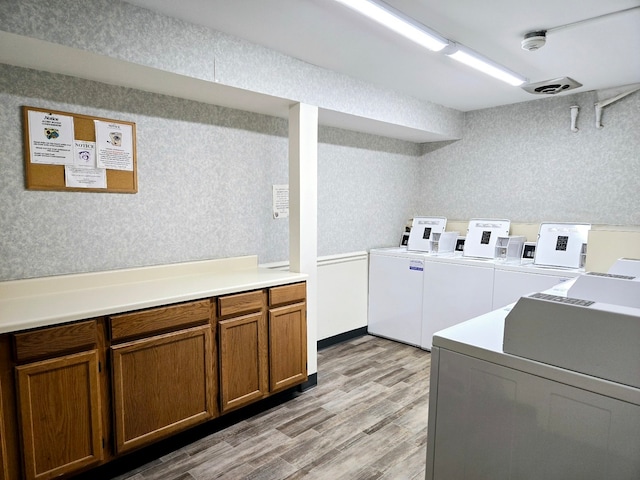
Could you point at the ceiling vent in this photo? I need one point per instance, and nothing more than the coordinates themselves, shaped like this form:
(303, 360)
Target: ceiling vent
(551, 87)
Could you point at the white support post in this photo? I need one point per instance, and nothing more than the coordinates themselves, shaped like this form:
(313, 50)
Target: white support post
(303, 213)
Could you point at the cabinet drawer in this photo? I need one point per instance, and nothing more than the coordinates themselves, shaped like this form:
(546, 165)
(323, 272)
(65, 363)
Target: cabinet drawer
(287, 294)
(53, 341)
(241, 303)
(160, 319)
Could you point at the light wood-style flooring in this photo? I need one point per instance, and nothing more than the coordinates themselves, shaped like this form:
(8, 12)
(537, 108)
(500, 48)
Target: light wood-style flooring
(366, 419)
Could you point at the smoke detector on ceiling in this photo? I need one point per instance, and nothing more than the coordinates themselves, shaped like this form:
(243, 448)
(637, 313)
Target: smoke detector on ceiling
(534, 40)
(551, 87)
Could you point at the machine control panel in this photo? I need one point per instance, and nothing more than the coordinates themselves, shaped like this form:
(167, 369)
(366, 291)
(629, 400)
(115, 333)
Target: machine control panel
(555, 298)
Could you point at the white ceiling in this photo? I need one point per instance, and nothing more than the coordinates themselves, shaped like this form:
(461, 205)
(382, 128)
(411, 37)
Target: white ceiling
(600, 53)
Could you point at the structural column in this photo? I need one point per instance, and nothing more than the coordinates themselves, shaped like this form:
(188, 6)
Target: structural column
(303, 213)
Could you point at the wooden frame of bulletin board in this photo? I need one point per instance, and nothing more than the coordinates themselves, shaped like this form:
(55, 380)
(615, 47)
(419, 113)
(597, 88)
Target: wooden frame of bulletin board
(41, 176)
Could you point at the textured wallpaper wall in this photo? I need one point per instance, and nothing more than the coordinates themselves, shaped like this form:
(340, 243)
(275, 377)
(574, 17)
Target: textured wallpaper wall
(205, 175)
(367, 189)
(522, 162)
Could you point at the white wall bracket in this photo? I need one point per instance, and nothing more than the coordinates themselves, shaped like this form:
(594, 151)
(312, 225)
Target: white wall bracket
(574, 117)
(605, 103)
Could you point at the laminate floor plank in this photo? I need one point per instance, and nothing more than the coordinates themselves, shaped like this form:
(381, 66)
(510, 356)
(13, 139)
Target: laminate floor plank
(300, 424)
(359, 397)
(184, 463)
(366, 419)
(282, 450)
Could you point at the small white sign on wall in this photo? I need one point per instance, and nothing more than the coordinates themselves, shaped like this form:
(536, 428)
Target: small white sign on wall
(280, 201)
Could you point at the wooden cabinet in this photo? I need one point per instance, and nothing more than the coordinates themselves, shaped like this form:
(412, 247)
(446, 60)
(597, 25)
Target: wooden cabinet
(78, 395)
(287, 337)
(4, 473)
(262, 343)
(164, 383)
(58, 399)
(59, 408)
(242, 335)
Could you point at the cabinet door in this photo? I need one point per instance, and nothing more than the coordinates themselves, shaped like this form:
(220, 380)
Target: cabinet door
(287, 346)
(243, 360)
(161, 385)
(59, 407)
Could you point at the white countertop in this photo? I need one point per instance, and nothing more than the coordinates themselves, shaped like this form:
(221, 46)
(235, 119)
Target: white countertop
(48, 301)
(482, 338)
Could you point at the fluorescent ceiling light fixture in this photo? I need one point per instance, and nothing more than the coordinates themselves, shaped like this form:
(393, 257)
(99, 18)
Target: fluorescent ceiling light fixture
(420, 35)
(475, 60)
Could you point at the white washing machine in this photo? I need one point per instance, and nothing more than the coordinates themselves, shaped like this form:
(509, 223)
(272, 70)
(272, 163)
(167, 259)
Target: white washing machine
(560, 252)
(395, 294)
(456, 289)
(512, 281)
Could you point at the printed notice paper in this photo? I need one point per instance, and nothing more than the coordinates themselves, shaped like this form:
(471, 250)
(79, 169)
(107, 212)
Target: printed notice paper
(83, 173)
(114, 145)
(280, 201)
(84, 177)
(50, 138)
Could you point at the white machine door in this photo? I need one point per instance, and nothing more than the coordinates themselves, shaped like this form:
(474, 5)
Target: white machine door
(395, 297)
(454, 293)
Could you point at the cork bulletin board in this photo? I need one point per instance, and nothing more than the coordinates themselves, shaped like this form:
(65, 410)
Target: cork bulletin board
(44, 157)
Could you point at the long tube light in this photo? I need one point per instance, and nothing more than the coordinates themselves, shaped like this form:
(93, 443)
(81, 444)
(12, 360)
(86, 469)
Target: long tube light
(420, 35)
(474, 60)
(431, 40)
